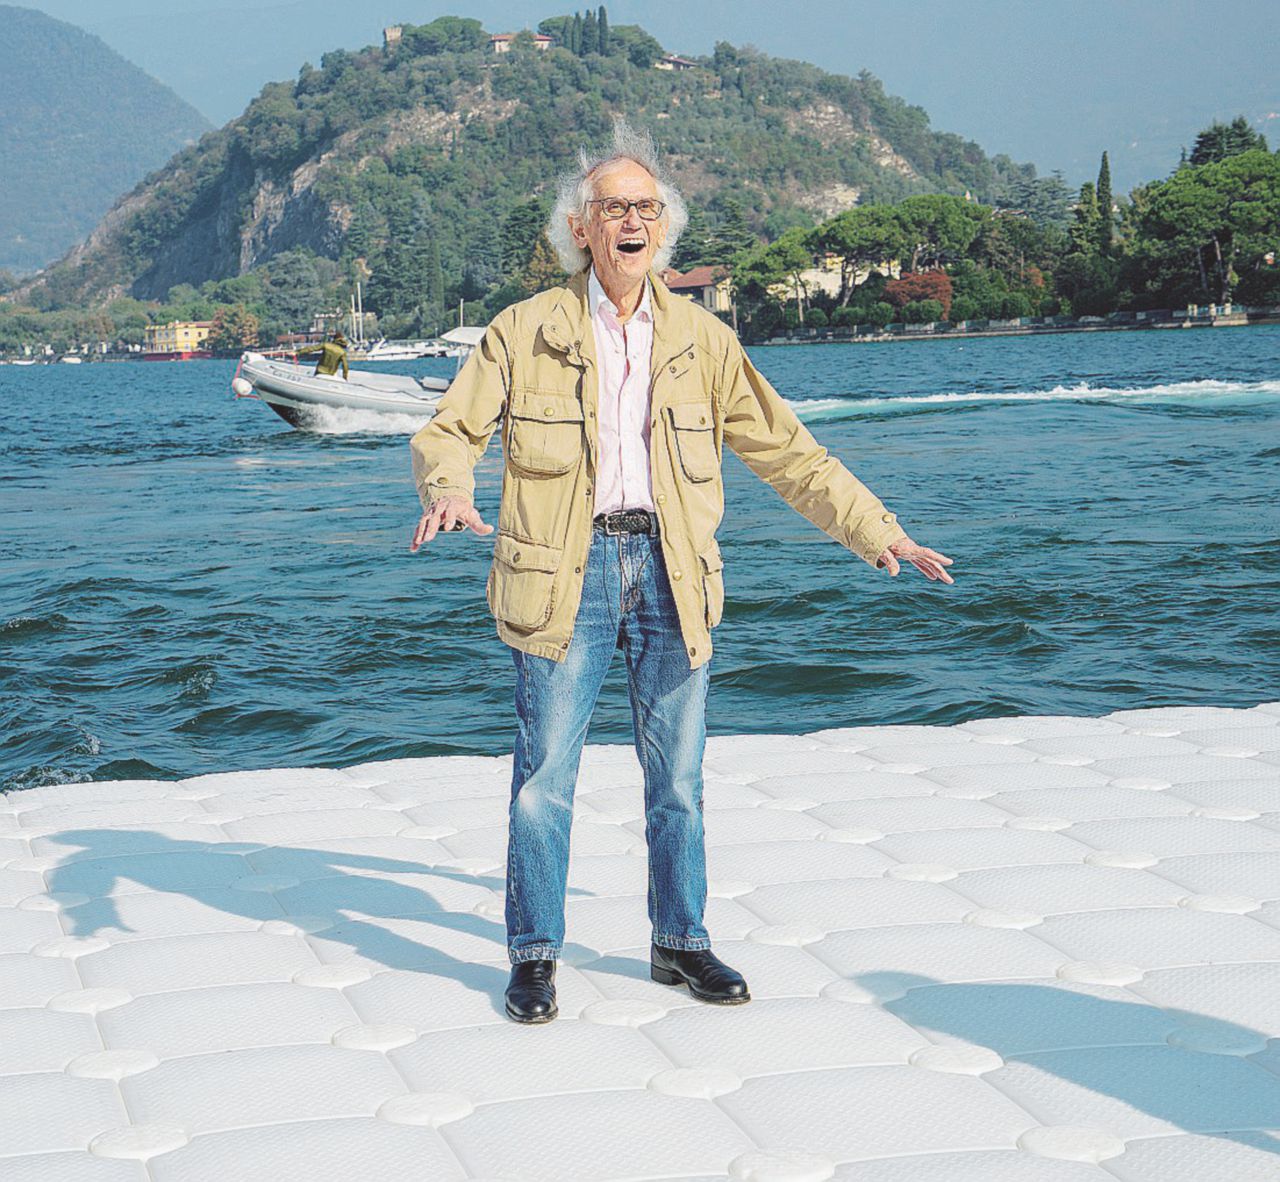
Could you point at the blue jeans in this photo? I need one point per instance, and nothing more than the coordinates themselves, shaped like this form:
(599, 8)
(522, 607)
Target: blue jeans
(627, 604)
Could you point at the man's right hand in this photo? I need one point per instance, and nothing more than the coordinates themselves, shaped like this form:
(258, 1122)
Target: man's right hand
(447, 513)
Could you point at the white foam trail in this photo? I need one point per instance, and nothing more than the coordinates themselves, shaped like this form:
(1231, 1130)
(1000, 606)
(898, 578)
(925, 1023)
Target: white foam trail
(825, 408)
(345, 421)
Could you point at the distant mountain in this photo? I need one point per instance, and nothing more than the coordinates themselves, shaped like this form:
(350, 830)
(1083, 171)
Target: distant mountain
(422, 148)
(78, 126)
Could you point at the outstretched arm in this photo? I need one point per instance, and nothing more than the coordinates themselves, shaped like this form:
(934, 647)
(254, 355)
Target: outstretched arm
(761, 427)
(446, 451)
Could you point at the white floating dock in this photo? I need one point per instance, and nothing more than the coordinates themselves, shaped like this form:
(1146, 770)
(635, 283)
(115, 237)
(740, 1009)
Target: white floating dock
(1016, 950)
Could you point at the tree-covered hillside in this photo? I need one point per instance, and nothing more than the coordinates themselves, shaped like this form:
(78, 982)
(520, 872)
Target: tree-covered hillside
(405, 164)
(78, 125)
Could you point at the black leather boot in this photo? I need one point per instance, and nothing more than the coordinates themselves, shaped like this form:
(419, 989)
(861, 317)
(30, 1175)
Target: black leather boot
(708, 977)
(531, 992)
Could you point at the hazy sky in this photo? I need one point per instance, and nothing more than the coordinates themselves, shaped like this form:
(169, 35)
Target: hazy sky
(1053, 82)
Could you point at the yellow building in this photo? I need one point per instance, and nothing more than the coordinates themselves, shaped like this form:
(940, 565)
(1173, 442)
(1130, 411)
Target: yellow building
(178, 337)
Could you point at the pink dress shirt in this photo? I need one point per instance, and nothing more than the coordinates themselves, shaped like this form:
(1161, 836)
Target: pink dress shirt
(623, 353)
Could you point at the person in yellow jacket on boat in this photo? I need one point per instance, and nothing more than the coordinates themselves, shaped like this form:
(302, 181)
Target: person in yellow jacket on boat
(614, 400)
(333, 353)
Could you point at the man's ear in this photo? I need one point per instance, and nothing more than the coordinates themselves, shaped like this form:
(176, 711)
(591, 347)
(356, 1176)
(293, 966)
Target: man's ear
(578, 230)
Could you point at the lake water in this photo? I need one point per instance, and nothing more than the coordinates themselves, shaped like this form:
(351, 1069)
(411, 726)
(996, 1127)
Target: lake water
(188, 585)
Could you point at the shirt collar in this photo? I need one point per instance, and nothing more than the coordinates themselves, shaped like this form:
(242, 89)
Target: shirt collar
(596, 296)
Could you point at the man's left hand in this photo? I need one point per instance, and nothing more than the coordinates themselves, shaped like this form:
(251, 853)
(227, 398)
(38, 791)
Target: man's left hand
(928, 562)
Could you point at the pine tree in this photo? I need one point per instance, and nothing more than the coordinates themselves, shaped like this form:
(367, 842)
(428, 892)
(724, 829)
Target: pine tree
(732, 234)
(602, 29)
(1106, 220)
(590, 34)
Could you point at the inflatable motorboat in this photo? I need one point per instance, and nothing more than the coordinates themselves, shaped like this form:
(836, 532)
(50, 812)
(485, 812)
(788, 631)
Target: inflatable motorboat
(301, 396)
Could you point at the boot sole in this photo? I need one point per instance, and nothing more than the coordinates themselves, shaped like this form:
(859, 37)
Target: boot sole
(667, 977)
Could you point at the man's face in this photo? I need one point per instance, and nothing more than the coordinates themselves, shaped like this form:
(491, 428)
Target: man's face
(622, 249)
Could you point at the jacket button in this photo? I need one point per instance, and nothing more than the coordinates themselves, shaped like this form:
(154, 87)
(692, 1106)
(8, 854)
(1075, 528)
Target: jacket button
(546, 410)
(886, 516)
(690, 354)
(693, 651)
(577, 570)
(675, 574)
(515, 557)
(702, 418)
(662, 498)
(673, 369)
(565, 644)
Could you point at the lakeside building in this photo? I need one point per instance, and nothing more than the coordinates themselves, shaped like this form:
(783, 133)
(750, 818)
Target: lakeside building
(672, 61)
(179, 340)
(824, 276)
(709, 286)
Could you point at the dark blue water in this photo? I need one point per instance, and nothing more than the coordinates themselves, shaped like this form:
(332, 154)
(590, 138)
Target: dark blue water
(189, 585)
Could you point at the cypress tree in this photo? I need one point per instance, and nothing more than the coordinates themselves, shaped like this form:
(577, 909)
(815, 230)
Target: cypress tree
(602, 29)
(1106, 223)
(575, 34)
(1084, 230)
(590, 34)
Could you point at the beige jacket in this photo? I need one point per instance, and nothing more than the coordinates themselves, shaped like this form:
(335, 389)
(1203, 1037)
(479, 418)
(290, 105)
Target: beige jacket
(534, 375)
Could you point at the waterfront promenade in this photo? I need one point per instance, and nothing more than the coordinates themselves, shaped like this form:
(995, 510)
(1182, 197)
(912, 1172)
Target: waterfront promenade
(1037, 949)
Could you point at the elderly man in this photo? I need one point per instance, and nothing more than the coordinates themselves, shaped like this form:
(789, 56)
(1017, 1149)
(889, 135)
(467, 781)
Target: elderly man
(615, 399)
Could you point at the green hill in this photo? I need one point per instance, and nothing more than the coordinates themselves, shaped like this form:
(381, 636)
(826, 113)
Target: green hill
(409, 159)
(78, 125)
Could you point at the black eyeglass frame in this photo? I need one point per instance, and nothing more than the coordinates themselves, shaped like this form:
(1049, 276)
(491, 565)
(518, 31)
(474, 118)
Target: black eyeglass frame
(662, 207)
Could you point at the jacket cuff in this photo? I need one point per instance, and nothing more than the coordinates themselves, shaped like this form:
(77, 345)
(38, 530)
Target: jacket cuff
(434, 490)
(876, 536)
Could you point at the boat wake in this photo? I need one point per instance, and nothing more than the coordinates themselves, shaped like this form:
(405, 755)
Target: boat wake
(332, 420)
(1173, 392)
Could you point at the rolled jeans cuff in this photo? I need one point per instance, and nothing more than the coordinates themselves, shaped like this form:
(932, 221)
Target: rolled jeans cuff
(533, 952)
(683, 943)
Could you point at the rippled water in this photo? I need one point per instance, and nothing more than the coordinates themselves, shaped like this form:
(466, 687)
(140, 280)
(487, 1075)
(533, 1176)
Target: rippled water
(188, 585)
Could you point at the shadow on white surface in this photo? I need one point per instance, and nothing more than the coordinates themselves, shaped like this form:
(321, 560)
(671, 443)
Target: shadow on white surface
(1150, 1070)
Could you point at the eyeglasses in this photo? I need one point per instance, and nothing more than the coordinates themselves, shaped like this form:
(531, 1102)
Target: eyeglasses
(615, 208)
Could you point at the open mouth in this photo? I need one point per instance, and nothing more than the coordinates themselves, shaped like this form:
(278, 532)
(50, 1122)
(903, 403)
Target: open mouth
(631, 245)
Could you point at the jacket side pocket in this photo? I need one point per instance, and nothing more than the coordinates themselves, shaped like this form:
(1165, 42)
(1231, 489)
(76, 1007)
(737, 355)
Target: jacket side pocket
(713, 584)
(521, 589)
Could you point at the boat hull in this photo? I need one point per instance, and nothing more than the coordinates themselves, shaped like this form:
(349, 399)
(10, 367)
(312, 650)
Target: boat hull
(304, 398)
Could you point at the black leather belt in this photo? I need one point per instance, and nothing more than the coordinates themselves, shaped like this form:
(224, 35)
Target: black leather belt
(627, 521)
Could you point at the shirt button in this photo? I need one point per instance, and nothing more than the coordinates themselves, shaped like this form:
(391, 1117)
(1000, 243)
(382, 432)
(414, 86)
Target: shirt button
(662, 498)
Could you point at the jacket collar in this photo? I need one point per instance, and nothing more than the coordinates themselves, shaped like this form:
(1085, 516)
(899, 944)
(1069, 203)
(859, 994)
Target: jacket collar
(567, 328)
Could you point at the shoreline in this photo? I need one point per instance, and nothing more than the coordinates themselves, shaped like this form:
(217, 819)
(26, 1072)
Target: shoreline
(928, 333)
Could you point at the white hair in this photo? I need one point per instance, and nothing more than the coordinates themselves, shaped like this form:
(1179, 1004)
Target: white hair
(574, 191)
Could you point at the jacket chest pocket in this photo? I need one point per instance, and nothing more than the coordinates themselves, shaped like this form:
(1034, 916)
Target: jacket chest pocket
(692, 429)
(545, 432)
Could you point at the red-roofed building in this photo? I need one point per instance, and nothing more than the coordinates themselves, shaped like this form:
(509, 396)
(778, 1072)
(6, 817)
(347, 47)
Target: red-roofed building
(708, 286)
